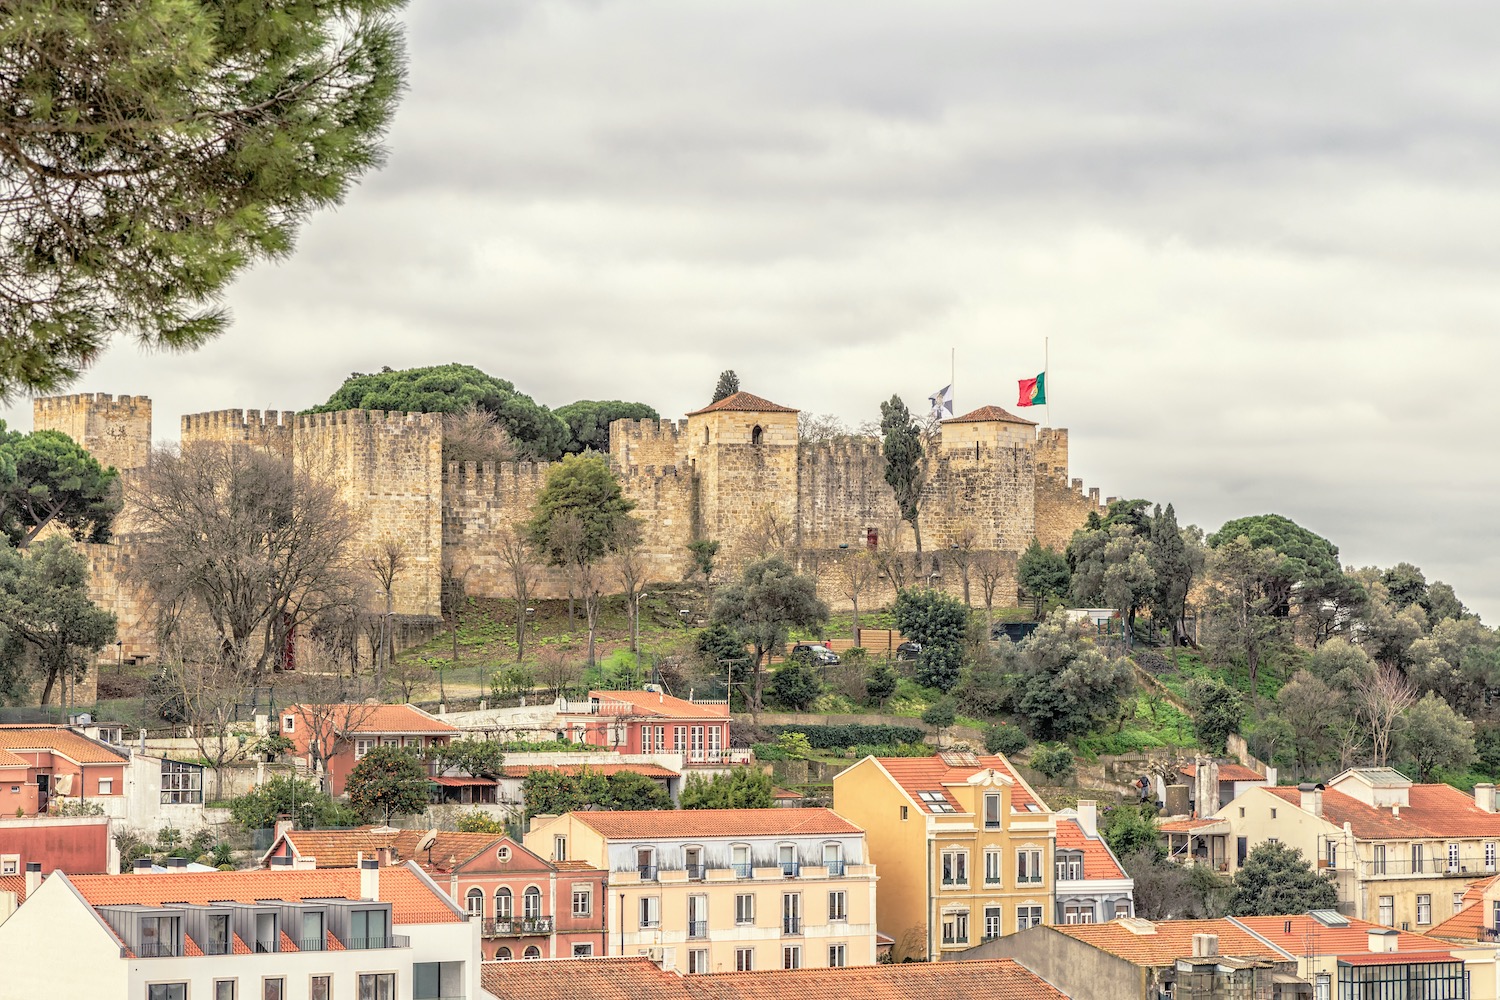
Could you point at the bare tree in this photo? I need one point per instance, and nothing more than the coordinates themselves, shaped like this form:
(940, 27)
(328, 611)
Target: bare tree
(474, 435)
(815, 428)
(328, 707)
(569, 539)
(591, 575)
(239, 535)
(856, 575)
(962, 546)
(992, 570)
(631, 564)
(209, 691)
(768, 533)
(455, 596)
(1382, 696)
(386, 560)
(519, 558)
(557, 673)
(894, 566)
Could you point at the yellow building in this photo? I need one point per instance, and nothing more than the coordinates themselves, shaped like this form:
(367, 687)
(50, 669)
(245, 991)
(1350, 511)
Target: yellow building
(964, 845)
(1402, 854)
(726, 890)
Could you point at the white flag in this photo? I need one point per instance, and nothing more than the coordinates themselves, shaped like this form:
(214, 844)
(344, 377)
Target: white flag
(942, 402)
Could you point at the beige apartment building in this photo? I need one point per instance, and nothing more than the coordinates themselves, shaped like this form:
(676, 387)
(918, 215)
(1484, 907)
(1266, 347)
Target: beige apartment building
(726, 890)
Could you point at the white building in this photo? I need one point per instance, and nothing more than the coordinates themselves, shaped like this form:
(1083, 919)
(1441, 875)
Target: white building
(324, 934)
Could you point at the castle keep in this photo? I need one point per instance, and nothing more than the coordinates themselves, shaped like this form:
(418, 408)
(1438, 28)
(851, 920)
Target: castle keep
(734, 471)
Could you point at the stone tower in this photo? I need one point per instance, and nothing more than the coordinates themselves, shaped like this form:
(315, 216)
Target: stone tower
(116, 431)
(743, 453)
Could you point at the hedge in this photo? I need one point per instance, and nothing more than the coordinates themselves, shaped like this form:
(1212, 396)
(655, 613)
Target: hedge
(843, 737)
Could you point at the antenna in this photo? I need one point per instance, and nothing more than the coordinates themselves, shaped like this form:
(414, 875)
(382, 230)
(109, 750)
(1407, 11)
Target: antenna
(425, 844)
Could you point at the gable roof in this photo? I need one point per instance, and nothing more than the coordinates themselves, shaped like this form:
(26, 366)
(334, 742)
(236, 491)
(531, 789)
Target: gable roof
(1227, 772)
(15, 884)
(653, 704)
(1165, 941)
(1098, 862)
(931, 774)
(1466, 924)
(743, 402)
(1308, 935)
(999, 978)
(667, 823)
(628, 978)
(1435, 811)
(8, 759)
(344, 848)
(413, 899)
(60, 740)
(988, 415)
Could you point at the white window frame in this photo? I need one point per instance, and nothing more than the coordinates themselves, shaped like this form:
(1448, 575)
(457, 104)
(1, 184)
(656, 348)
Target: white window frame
(697, 961)
(744, 960)
(1424, 908)
(994, 867)
(469, 899)
(583, 949)
(994, 919)
(744, 909)
(1029, 866)
(1489, 855)
(362, 746)
(838, 905)
(1453, 857)
(1386, 911)
(955, 868)
(648, 911)
(583, 900)
(791, 956)
(106, 786)
(1028, 915)
(289, 723)
(10, 864)
(838, 955)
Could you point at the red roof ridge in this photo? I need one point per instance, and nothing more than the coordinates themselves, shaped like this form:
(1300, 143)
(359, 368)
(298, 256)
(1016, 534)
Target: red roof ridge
(743, 402)
(990, 414)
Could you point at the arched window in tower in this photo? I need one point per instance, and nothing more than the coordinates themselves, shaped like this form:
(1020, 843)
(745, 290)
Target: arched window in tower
(756, 435)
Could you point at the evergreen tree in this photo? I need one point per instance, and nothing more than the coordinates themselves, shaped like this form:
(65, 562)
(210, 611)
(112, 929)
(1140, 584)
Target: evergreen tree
(769, 599)
(740, 788)
(729, 384)
(48, 478)
(901, 444)
(45, 606)
(388, 781)
(940, 624)
(588, 421)
(1043, 575)
(1217, 711)
(1276, 880)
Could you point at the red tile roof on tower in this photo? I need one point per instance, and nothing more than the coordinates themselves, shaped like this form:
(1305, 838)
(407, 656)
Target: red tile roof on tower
(1435, 811)
(1163, 942)
(1098, 862)
(1227, 772)
(930, 774)
(1310, 936)
(653, 704)
(989, 414)
(743, 402)
(57, 739)
(412, 900)
(1000, 978)
(649, 824)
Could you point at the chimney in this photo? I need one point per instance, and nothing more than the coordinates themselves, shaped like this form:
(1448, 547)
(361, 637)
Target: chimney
(383, 857)
(1312, 798)
(176, 862)
(1484, 796)
(1382, 941)
(1088, 816)
(369, 879)
(284, 825)
(33, 877)
(1205, 945)
(142, 866)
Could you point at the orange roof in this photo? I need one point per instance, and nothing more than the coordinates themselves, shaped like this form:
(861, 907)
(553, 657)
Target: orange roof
(634, 978)
(343, 848)
(58, 739)
(930, 774)
(1227, 772)
(1435, 811)
(1465, 925)
(989, 414)
(1098, 862)
(1311, 936)
(398, 720)
(649, 770)
(743, 402)
(1173, 939)
(15, 884)
(664, 823)
(8, 759)
(1187, 825)
(412, 900)
(1000, 978)
(653, 704)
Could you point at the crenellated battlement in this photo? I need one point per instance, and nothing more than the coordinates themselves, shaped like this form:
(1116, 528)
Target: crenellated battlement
(51, 404)
(115, 429)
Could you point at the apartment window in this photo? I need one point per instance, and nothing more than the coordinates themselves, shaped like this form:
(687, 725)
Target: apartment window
(1416, 858)
(414, 741)
(1069, 865)
(377, 986)
(275, 989)
(697, 744)
(838, 905)
(744, 960)
(502, 955)
(1388, 910)
(289, 723)
(1028, 916)
(583, 900)
(659, 738)
(650, 911)
(436, 980)
(991, 922)
(955, 868)
(1273, 813)
(313, 938)
(1453, 857)
(739, 856)
(1028, 866)
(1331, 853)
(1242, 812)
(504, 904)
(559, 848)
(319, 988)
(362, 747)
(10, 864)
(679, 739)
(744, 908)
(838, 956)
(474, 903)
(645, 862)
(158, 937)
(1377, 860)
(583, 950)
(833, 858)
(531, 903)
(1322, 986)
(1424, 908)
(956, 927)
(791, 956)
(905, 813)
(715, 739)
(224, 989)
(992, 866)
(181, 784)
(1078, 914)
(106, 786)
(166, 991)
(786, 855)
(991, 812)
(369, 928)
(1489, 855)
(697, 961)
(532, 951)
(697, 916)
(791, 913)
(216, 940)
(390, 741)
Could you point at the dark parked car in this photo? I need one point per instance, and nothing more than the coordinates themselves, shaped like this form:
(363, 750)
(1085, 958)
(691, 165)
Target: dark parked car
(815, 653)
(908, 651)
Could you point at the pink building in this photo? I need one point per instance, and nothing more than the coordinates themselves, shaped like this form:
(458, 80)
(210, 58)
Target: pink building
(40, 764)
(353, 729)
(652, 722)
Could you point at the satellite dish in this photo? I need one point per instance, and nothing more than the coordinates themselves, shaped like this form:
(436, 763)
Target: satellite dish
(428, 839)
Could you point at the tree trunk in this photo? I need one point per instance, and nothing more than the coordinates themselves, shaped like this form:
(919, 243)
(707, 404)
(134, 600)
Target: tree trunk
(520, 629)
(855, 600)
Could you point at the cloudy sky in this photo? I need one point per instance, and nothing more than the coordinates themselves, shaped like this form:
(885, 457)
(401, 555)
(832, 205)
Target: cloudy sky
(1261, 238)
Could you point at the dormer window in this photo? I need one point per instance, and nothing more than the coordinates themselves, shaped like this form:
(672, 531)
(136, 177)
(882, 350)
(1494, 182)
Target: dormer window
(992, 811)
(936, 802)
(645, 863)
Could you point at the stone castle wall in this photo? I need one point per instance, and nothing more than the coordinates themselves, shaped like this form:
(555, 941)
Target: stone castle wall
(270, 430)
(116, 431)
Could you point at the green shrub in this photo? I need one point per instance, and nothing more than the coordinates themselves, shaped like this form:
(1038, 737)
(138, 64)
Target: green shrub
(841, 737)
(769, 751)
(1005, 739)
(1055, 761)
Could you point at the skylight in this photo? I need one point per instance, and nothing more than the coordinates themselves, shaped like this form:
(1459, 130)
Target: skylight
(936, 802)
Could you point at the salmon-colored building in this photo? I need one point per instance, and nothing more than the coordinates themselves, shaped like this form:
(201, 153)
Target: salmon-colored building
(527, 906)
(651, 722)
(41, 763)
(354, 729)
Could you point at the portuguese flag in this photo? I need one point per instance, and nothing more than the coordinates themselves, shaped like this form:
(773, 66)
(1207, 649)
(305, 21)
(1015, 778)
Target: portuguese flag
(1033, 391)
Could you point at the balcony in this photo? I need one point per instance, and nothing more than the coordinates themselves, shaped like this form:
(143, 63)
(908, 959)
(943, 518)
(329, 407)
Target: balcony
(307, 944)
(371, 943)
(791, 925)
(696, 873)
(743, 871)
(1439, 867)
(1489, 933)
(156, 949)
(791, 869)
(697, 929)
(646, 872)
(835, 868)
(510, 927)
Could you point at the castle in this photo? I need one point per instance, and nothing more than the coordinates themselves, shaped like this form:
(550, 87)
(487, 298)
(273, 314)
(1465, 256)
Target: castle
(734, 471)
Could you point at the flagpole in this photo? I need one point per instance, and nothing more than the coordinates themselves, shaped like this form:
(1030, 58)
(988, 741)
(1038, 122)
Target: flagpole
(952, 371)
(1047, 376)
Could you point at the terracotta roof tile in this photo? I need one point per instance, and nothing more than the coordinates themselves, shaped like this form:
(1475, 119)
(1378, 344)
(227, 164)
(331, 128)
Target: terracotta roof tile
(8, 759)
(401, 719)
(1399, 958)
(649, 770)
(652, 704)
(343, 848)
(743, 402)
(1171, 940)
(656, 823)
(635, 978)
(15, 884)
(1465, 925)
(1310, 933)
(1227, 772)
(929, 774)
(989, 414)
(1098, 862)
(1435, 811)
(412, 900)
(1187, 825)
(1004, 979)
(71, 745)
